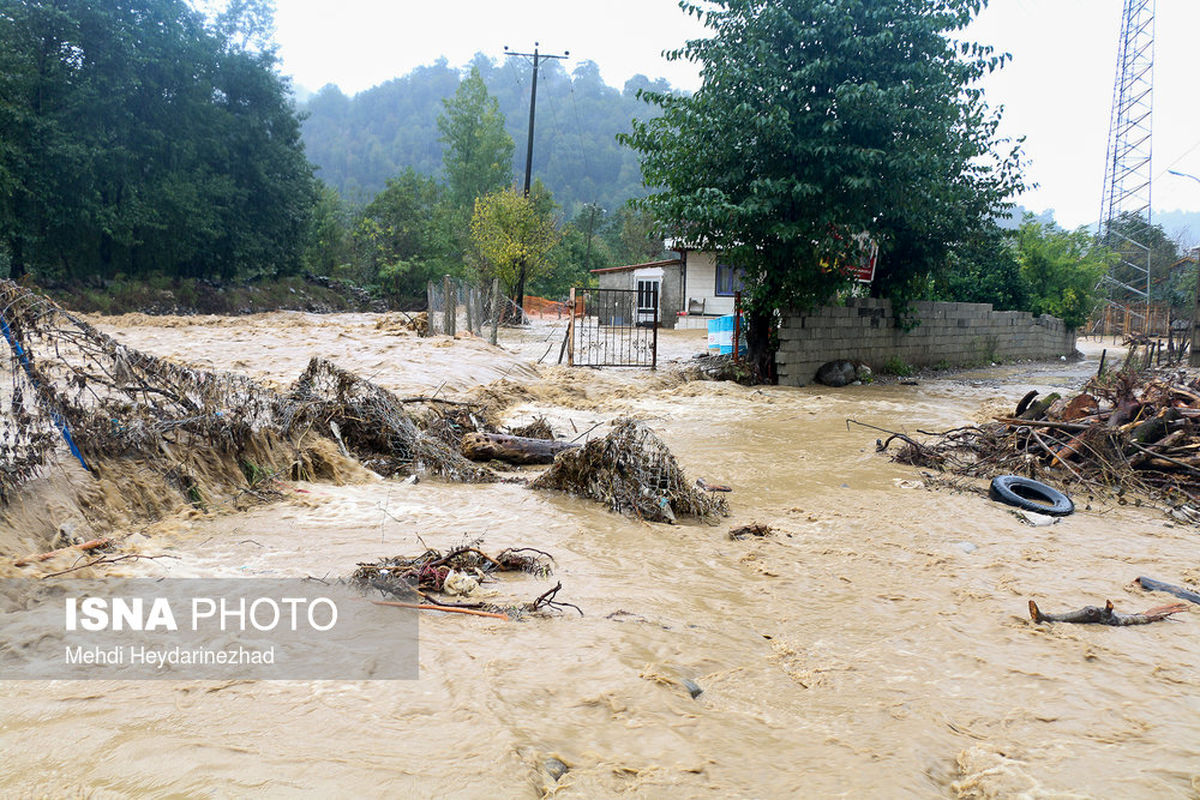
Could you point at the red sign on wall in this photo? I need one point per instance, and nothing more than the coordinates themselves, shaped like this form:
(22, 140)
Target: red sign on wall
(864, 270)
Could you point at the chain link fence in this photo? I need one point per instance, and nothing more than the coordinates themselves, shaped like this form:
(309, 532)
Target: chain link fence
(460, 305)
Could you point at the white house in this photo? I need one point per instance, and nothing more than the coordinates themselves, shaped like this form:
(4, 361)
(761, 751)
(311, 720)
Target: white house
(693, 288)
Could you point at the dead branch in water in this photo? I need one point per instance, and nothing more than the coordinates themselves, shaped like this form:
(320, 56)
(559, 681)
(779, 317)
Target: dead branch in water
(459, 572)
(1151, 585)
(94, 544)
(1106, 615)
(106, 560)
(447, 609)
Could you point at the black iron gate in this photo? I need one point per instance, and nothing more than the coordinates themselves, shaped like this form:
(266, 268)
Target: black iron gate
(614, 327)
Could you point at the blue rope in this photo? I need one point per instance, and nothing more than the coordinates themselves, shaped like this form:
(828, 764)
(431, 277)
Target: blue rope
(59, 422)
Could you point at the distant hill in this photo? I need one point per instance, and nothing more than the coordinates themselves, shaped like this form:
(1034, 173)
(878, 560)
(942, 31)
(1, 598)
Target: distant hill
(1182, 226)
(359, 142)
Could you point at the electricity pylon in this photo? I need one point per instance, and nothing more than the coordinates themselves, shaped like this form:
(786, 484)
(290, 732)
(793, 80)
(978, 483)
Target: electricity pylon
(1125, 215)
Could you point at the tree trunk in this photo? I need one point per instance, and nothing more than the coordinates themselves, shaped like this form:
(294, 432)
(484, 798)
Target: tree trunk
(16, 253)
(513, 449)
(759, 355)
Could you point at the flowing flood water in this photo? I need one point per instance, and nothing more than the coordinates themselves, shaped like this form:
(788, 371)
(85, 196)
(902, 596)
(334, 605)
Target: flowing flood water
(877, 645)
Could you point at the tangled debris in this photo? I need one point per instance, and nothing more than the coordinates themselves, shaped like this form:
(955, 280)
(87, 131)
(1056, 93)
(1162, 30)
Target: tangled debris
(74, 392)
(757, 529)
(539, 428)
(1128, 433)
(458, 573)
(632, 472)
(374, 425)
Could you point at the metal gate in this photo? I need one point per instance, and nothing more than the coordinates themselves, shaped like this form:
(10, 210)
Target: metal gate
(614, 327)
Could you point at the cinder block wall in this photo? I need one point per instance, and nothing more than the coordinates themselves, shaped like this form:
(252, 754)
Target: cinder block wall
(951, 334)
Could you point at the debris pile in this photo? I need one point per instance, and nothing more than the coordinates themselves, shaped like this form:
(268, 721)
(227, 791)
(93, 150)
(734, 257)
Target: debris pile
(757, 529)
(632, 472)
(373, 425)
(538, 428)
(74, 392)
(459, 572)
(1126, 433)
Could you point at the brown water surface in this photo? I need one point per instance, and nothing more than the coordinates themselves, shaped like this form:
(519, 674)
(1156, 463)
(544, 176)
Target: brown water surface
(876, 646)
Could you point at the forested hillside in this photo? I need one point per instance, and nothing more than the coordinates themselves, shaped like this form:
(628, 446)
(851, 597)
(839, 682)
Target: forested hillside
(359, 142)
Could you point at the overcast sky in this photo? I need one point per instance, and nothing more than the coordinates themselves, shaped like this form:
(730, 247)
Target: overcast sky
(1056, 92)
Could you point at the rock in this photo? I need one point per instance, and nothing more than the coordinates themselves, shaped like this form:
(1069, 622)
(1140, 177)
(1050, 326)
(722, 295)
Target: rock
(836, 373)
(555, 768)
(967, 547)
(863, 373)
(692, 687)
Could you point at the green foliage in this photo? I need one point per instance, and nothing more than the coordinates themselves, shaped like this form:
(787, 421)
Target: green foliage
(401, 238)
(1061, 269)
(328, 243)
(359, 141)
(139, 137)
(636, 236)
(820, 119)
(509, 230)
(478, 154)
(896, 366)
(1140, 246)
(983, 268)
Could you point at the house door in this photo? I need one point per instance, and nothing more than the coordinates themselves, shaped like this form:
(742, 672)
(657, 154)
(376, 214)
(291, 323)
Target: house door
(648, 290)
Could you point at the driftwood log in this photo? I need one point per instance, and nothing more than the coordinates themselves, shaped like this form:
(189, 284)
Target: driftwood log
(1106, 615)
(512, 449)
(1151, 585)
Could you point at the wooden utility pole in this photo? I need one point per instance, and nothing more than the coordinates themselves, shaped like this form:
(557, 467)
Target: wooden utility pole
(537, 57)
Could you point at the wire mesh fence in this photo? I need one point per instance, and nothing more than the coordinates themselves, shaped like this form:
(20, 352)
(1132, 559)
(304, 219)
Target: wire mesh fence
(460, 305)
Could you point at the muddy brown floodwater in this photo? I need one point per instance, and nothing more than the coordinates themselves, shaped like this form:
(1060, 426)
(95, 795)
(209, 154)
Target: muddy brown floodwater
(877, 645)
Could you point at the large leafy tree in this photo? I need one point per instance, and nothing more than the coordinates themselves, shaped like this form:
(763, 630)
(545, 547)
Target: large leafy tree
(478, 151)
(818, 120)
(1061, 269)
(515, 236)
(402, 236)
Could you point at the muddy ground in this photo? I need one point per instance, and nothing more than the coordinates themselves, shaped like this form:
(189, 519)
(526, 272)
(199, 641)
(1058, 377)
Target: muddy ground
(877, 645)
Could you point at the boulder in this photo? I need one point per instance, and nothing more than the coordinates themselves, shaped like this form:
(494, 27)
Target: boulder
(836, 373)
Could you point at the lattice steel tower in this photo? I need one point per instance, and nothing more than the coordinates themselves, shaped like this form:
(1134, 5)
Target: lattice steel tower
(1125, 215)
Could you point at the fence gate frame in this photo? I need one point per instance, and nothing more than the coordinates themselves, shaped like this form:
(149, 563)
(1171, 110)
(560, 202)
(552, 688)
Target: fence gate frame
(620, 336)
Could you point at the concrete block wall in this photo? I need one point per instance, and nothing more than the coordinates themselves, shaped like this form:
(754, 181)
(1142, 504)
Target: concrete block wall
(951, 334)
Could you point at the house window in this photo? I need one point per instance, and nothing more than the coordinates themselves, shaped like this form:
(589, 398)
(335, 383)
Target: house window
(729, 280)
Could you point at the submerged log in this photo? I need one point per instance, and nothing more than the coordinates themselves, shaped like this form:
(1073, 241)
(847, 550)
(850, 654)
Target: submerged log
(512, 449)
(1106, 615)
(1151, 585)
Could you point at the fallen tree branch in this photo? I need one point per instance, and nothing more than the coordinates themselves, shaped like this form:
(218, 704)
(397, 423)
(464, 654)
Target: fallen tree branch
(105, 560)
(1106, 615)
(447, 609)
(1156, 454)
(1151, 585)
(1043, 423)
(94, 544)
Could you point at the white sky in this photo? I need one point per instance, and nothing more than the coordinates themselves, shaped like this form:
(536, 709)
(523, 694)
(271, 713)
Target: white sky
(1057, 90)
